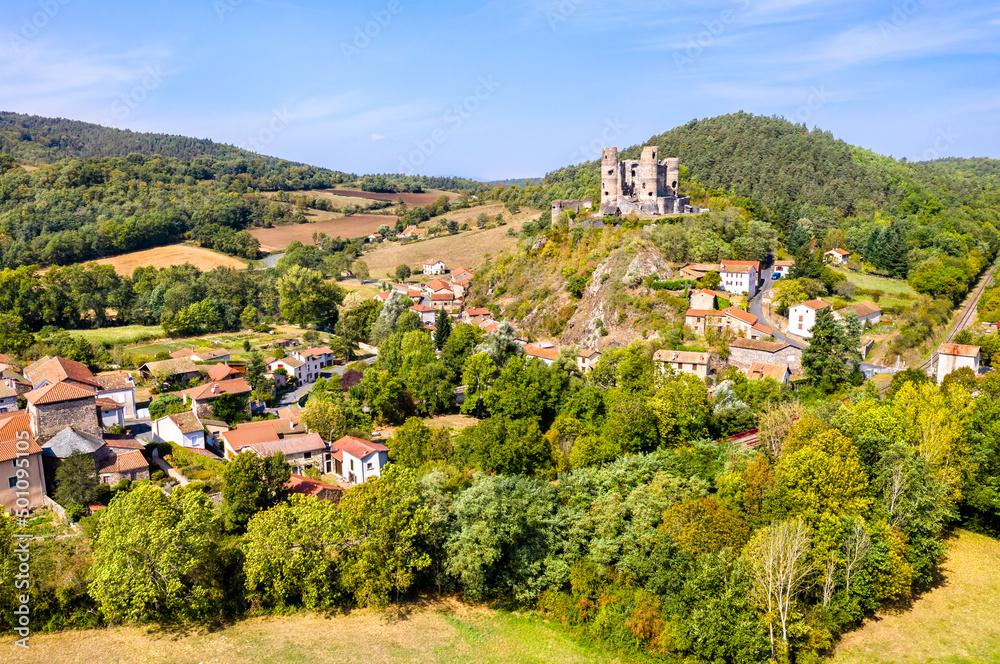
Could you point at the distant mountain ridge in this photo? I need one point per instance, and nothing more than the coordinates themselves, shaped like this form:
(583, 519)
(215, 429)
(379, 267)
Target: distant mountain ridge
(35, 138)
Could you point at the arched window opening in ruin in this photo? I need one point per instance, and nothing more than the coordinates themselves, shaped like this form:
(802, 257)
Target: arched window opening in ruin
(611, 172)
(674, 185)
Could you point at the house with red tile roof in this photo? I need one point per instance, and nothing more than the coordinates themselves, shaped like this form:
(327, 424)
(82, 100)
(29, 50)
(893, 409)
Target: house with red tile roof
(20, 452)
(545, 352)
(952, 357)
(740, 277)
(315, 488)
(760, 371)
(202, 396)
(702, 320)
(56, 406)
(357, 460)
(434, 266)
(837, 256)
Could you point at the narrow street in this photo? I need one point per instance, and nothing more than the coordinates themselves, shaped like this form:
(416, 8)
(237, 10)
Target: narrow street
(757, 307)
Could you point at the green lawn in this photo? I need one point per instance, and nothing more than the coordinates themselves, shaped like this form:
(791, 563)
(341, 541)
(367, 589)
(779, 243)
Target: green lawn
(957, 622)
(438, 632)
(128, 334)
(872, 282)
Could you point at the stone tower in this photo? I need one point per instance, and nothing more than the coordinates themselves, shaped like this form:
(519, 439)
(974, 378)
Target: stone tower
(647, 185)
(611, 180)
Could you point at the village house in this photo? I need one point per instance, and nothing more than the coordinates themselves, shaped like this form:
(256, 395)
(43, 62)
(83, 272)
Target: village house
(252, 433)
(411, 291)
(171, 371)
(184, 429)
(783, 267)
(315, 488)
(696, 364)
(114, 459)
(427, 314)
(118, 386)
(314, 361)
(8, 363)
(702, 320)
(698, 271)
(446, 301)
(462, 273)
(382, 297)
(50, 370)
(212, 355)
(120, 464)
(747, 352)
(744, 324)
(374, 238)
(740, 277)
(411, 232)
(301, 452)
(8, 399)
(202, 396)
(181, 353)
(56, 406)
(112, 412)
(434, 266)
(704, 299)
(294, 368)
(802, 317)
(760, 371)
(543, 350)
(476, 316)
(952, 357)
(222, 372)
(17, 447)
(587, 359)
(869, 315)
(358, 460)
(15, 381)
(837, 256)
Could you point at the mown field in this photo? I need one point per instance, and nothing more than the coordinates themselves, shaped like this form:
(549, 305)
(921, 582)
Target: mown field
(871, 282)
(438, 632)
(277, 238)
(425, 198)
(468, 248)
(957, 622)
(175, 254)
(128, 334)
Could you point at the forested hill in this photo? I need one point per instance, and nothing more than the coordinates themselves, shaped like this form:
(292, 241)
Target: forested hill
(777, 164)
(35, 139)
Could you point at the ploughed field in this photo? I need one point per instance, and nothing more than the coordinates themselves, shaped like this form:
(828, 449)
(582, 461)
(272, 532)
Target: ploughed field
(277, 238)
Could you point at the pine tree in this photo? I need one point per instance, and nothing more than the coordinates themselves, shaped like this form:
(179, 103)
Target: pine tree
(442, 331)
(833, 343)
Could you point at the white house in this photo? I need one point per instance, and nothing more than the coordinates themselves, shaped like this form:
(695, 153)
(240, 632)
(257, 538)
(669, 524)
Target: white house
(802, 317)
(783, 267)
(358, 460)
(544, 351)
(112, 412)
(184, 429)
(867, 313)
(118, 386)
(314, 360)
(587, 359)
(293, 367)
(739, 276)
(952, 357)
(838, 256)
(434, 266)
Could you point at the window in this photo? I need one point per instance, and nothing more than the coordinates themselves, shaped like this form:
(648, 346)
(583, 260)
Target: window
(800, 320)
(800, 326)
(12, 482)
(352, 464)
(307, 455)
(371, 466)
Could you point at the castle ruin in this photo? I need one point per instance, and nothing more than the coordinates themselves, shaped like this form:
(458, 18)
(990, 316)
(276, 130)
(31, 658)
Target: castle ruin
(647, 186)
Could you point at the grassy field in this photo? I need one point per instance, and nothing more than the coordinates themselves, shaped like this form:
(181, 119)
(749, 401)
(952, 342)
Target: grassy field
(128, 334)
(425, 198)
(277, 238)
(437, 632)
(469, 248)
(957, 622)
(175, 254)
(871, 282)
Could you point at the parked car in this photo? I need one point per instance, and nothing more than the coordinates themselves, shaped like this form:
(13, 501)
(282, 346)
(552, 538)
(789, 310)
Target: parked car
(776, 276)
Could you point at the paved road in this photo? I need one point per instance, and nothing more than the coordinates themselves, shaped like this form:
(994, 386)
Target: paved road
(292, 397)
(271, 261)
(757, 308)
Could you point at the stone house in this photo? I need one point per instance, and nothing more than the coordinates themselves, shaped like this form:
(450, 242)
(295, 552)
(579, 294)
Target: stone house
(118, 386)
(357, 460)
(702, 320)
(744, 324)
(427, 314)
(703, 299)
(20, 451)
(173, 371)
(49, 370)
(8, 399)
(695, 364)
(746, 352)
(952, 357)
(56, 406)
(251, 433)
(301, 452)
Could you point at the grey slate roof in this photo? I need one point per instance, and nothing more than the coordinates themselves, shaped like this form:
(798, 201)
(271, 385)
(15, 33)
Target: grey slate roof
(70, 440)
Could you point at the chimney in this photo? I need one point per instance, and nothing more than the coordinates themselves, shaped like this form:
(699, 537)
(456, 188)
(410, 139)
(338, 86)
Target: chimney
(215, 388)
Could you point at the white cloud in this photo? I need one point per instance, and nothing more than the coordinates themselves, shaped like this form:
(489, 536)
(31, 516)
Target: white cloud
(378, 137)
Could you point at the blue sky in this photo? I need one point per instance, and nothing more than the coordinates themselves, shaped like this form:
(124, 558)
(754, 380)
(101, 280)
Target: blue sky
(505, 88)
